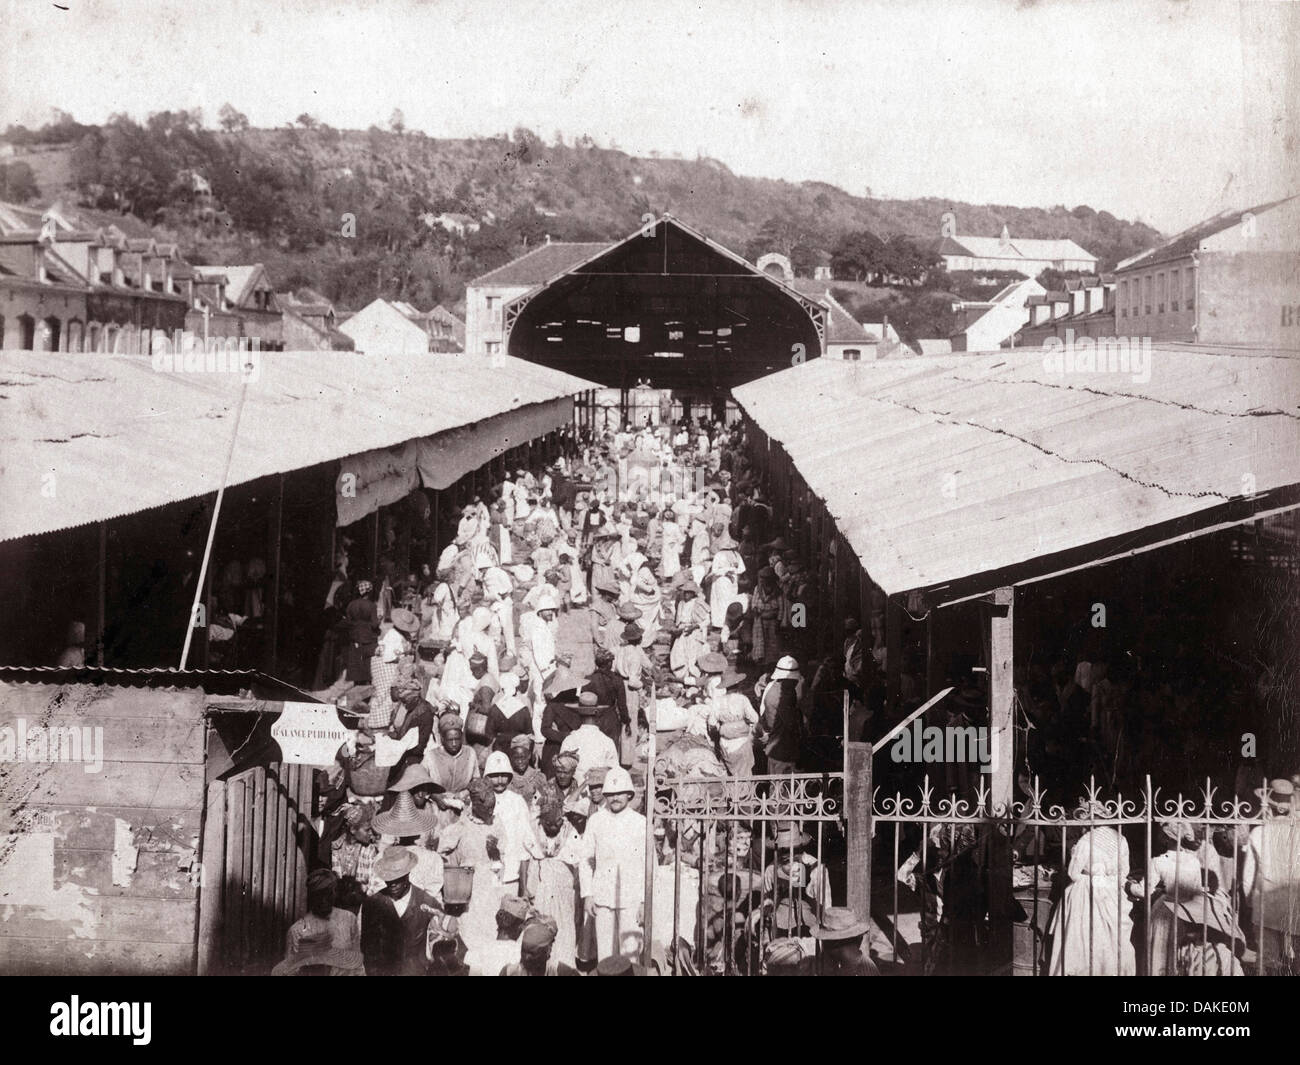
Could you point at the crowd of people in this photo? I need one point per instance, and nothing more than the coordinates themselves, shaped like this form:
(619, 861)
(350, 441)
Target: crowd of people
(486, 815)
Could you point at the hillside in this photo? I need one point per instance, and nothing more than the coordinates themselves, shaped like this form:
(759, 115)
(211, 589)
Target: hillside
(284, 197)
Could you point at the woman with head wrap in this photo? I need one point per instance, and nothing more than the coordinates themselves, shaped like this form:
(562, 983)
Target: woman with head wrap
(553, 854)
(497, 589)
(474, 842)
(725, 569)
(765, 613)
(451, 766)
(692, 643)
(647, 598)
(509, 715)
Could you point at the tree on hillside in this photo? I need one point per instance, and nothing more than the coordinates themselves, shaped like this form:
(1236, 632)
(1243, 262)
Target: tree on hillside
(397, 121)
(857, 255)
(17, 183)
(306, 121)
(232, 121)
(904, 257)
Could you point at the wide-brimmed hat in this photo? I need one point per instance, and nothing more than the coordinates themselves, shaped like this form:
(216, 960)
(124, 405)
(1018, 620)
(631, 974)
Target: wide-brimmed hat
(405, 621)
(783, 954)
(405, 819)
(787, 667)
(311, 942)
(547, 599)
(711, 662)
(725, 543)
(604, 584)
(1281, 792)
(628, 612)
(732, 679)
(394, 863)
(589, 704)
(632, 632)
(1213, 910)
(688, 587)
(413, 776)
(840, 922)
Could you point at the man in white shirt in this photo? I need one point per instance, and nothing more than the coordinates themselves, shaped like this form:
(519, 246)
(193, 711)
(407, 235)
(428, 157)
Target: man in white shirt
(511, 816)
(612, 874)
(592, 747)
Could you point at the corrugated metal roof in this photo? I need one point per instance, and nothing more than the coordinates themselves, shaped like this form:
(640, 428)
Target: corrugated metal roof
(542, 264)
(118, 436)
(943, 468)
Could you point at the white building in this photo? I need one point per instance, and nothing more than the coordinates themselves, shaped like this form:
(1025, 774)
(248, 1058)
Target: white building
(1026, 255)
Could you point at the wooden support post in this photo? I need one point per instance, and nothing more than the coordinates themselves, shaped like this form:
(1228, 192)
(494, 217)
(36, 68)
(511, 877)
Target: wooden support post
(857, 811)
(933, 653)
(374, 550)
(274, 537)
(212, 873)
(648, 899)
(893, 653)
(101, 594)
(1002, 696)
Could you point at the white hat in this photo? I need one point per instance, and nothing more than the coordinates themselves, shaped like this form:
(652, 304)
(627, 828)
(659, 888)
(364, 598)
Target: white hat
(619, 782)
(498, 763)
(497, 581)
(448, 556)
(547, 599)
(787, 667)
(523, 573)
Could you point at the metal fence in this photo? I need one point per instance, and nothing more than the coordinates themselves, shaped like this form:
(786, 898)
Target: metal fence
(1110, 885)
(739, 861)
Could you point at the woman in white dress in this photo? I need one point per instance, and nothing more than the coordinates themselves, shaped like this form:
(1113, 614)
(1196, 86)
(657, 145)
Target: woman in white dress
(1092, 925)
(727, 566)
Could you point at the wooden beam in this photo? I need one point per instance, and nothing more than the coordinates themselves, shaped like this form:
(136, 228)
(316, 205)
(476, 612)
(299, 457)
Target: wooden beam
(857, 811)
(212, 866)
(1002, 697)
(274, 538)
(101, 594)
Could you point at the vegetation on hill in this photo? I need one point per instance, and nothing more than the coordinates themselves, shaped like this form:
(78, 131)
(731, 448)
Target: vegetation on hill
(358, 214)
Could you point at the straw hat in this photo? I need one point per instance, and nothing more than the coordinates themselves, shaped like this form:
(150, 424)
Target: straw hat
(394, 863)
(628, 612)
(405, 622)
(589, 704)
(311, 942)
(404, 819)
(413, 776)
(1281, 793)
(711, 662)
(840, 922)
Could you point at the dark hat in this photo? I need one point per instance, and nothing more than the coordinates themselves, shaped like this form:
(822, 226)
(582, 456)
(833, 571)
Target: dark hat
(514, 906)
(711, 662)
(537, 935)
(618, 965)
(632, 632)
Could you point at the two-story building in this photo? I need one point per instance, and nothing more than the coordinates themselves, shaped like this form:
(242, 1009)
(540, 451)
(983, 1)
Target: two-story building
(1232, 279)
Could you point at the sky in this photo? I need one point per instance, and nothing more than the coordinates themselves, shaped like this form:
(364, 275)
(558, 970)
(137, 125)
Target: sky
(1166, 111)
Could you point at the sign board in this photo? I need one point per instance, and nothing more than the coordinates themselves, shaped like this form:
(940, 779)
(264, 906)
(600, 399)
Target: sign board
(309, 734)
